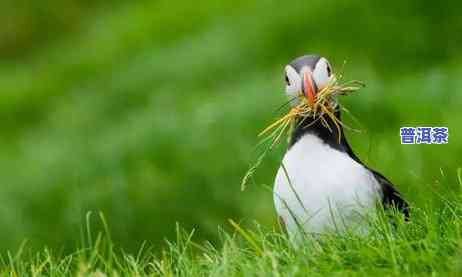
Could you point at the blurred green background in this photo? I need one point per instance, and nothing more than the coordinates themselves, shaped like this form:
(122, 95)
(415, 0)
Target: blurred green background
(149, 110)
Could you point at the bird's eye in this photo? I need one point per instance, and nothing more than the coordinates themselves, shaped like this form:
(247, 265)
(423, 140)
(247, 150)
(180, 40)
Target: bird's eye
(328, 70)
(287, 80)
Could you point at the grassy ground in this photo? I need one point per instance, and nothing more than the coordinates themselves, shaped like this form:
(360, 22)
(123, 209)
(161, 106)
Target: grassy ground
(428, 245)
(150, 113)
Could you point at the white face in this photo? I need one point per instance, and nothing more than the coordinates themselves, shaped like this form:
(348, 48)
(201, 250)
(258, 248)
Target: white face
(321, 75)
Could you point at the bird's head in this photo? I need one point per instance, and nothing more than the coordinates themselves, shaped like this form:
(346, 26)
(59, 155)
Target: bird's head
(306, 76)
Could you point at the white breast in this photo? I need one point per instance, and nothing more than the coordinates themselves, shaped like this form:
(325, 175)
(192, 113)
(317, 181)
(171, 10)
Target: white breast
(327, 191)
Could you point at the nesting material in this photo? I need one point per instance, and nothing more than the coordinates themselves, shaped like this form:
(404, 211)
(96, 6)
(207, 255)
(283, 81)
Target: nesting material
(322, 107)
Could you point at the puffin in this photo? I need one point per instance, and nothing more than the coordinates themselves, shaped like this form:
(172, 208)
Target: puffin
(321, 185)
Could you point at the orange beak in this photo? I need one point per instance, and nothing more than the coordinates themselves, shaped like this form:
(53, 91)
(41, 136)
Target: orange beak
(308, 88)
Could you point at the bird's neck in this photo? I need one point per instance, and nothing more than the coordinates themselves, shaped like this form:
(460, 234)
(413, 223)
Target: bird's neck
(332, 135)
(327, 130)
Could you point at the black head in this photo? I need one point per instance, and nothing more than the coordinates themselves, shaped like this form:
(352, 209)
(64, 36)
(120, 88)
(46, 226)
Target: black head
(305, 76)
(307, 60)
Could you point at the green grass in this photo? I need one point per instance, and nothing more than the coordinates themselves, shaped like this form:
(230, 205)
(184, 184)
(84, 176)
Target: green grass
(427, 245)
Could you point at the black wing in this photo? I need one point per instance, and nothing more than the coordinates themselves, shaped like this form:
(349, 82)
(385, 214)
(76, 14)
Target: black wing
(391, 197)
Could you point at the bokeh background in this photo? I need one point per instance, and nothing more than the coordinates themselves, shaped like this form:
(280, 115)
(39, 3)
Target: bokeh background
(149, 110)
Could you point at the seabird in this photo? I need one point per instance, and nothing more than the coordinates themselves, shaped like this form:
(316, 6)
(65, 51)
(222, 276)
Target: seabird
(321, 185)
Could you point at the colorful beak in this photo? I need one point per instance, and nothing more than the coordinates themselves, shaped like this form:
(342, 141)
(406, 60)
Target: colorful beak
(309, 88)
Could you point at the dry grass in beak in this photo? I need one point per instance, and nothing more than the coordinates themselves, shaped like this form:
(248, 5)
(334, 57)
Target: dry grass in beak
(323, 107)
